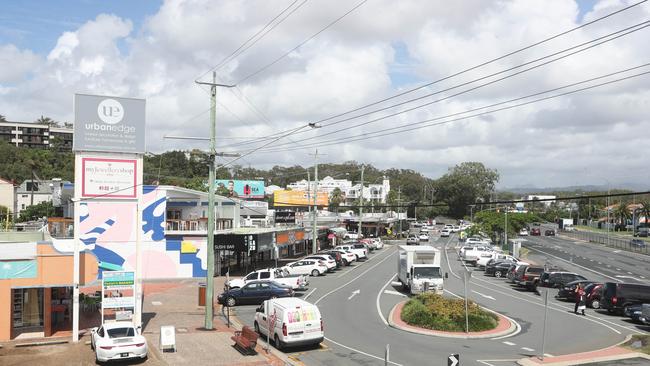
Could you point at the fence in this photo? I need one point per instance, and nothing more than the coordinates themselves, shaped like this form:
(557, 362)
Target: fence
(612, 241)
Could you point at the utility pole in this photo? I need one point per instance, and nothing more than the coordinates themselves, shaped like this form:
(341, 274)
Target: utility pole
(361, 205)
(308, 196)
(209, 296)
(314, 234)
(399, 208)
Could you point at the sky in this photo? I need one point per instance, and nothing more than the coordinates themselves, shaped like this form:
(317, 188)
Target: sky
(386, 81)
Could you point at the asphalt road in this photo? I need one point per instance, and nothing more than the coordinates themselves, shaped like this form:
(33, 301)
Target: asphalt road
(357, 334)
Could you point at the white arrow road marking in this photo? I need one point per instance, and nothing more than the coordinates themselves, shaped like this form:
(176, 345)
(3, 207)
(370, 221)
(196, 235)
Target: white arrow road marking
(509, 343)
(354, 293)
(390, 292)
(453, 360)
(484, 295)
(527, 349)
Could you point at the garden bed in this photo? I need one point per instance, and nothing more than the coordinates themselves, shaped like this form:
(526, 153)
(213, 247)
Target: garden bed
(432, 311)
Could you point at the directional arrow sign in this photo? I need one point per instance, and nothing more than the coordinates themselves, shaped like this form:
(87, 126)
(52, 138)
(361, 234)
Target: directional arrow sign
(453, 360)
(354, 293)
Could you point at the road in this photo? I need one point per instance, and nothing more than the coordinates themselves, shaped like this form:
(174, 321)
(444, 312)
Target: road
(355, 301)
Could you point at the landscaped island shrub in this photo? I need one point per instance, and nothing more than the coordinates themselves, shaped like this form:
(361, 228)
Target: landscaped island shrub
(435, 312)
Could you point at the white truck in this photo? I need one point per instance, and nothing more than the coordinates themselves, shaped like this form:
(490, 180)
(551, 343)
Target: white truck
(418, 268)
(296, 281)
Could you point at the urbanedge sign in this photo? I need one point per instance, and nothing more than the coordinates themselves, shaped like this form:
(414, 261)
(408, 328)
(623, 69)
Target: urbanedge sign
(109, 124)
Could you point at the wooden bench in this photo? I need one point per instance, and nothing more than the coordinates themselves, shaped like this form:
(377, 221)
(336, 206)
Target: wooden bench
(245, 340)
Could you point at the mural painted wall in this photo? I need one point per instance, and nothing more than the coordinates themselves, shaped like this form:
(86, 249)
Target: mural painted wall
(108, 230)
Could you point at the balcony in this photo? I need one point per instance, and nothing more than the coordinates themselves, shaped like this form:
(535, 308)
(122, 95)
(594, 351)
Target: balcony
(196, 226)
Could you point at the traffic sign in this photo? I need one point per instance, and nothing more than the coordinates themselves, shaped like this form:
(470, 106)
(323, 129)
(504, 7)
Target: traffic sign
(453, 360)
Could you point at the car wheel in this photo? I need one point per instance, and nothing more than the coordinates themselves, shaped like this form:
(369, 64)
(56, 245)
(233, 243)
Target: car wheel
(231, 301)
(315, 273)
(273, 297)
(257, 328)
(498, 274)
(278, 345)
(595, 304)
(345, 262)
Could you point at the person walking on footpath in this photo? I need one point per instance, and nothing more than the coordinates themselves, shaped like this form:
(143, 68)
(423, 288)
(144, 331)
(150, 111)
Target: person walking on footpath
(581, 301)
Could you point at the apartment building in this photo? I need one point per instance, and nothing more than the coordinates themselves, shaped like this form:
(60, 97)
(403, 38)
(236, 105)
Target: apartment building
(35, 135)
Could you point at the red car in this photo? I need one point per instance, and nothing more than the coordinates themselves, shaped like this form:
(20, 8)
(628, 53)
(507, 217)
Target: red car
(535, 232)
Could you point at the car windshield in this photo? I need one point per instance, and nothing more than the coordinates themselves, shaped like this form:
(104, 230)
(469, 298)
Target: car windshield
(121, 332)
(427, 272)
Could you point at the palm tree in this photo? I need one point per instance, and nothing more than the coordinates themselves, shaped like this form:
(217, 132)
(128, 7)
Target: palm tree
(623, 213)
(644, 211)
(2, 118)
(47, 121)
(336, 198)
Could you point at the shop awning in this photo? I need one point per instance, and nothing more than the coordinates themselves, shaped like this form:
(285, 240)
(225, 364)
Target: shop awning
(17, 251)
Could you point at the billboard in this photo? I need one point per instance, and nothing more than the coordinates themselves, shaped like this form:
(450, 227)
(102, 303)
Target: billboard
(242, 188)
(108, 124)
(298, 198)
(108, 178)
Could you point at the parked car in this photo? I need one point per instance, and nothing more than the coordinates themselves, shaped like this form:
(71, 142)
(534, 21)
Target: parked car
(567, 292)
(329, 261)
(549, 233)
(117, 341)
(369, 243)
(296, 281)
(472, 255)
(523, 232)
(412, 239)
(348, 256)
(335, 255)
(642, 232)
(594, 294)
(559, 279)
(254, 293)
(637, 243)
(494, 256)
(444, 233)
(535, 232)
(527, 276)
(379, 244)
(512, 271)
(295, 322)
(616, 296)
(473, 240)
(423, 237)
(499, 269)
(307, 267)
(359, 250)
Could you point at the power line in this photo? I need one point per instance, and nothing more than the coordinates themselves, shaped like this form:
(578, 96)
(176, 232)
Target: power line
(243, 47)
(626, 31)
(358, 5)
(483, 63)
(425, 123)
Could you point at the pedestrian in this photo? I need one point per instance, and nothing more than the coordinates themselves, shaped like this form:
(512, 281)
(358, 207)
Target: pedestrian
(581, 300)
(535, 284)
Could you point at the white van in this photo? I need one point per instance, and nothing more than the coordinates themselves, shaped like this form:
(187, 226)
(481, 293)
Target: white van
(297, 322)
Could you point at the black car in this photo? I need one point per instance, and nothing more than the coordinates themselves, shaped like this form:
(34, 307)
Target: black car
(637, 243)
(617, 296)
(549, 233)
(568, 291)
(499, 269)
(254, 293)
(559, 279)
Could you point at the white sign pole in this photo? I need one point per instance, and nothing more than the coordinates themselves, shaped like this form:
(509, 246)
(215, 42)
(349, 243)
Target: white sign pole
(137, 316)
(76, 274)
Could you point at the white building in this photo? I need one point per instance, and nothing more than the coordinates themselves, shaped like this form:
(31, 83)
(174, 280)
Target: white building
(327, 184)
(371, 193)
(541, 197)
(37, 191)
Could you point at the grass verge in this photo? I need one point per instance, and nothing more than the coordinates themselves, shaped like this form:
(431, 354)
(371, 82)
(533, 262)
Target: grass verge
(639, 343)
(435, 312)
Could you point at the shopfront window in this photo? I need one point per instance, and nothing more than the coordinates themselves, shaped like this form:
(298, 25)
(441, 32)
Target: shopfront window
(27, 307)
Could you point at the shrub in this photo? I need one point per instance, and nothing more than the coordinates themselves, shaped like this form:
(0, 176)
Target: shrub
(433, 311)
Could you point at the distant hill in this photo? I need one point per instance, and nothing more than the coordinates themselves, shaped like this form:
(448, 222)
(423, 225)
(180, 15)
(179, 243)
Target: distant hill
(586, 188)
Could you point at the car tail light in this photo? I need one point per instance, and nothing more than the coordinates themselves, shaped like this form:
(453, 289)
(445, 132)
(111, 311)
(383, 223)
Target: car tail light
(525, 278)
(321, 325)
(106, 347)
(321, 262)
(139, 344)
(284, 329)
(614, 300)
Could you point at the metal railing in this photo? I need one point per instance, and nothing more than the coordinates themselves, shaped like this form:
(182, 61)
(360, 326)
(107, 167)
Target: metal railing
(611, 241)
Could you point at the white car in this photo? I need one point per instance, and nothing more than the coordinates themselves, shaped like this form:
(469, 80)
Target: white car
(523, 232)
(359, 252)
(475, 241)
(486, 257)
(118, 341)
(329, 261)
(445, 233)
(348, 257)
(307, 266)
(423, 237)
(378, 243)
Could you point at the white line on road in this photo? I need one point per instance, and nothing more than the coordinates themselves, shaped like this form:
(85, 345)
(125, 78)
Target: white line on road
(383, 319)
(616, 251)
(363, 353)
(527, 349)
(391, 292)
(618, 269)
(548, 355)
(509, 343)
(310, 292)
(485, 363)
(629, 273)
(484, 295)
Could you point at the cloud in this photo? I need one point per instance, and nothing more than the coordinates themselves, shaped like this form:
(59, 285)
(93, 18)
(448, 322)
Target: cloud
(381, 49)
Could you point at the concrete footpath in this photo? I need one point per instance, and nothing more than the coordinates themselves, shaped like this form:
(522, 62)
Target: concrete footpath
(176, 303)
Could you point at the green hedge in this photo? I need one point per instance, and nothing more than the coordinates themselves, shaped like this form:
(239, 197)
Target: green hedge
(435, 312)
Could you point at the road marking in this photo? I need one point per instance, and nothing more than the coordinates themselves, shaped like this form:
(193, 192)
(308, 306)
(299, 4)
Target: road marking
(363, 353)
(591, 260)
(548, 355)
(354, 279)
(354, 293)
(577, 265)
(391, 292)
(156, 303)
(641, 277)
(527, 349)
(600, 262)
(509, 343)
(618, 269)
(616, 251)
(310, 292)
(485, 296)
(629, 273)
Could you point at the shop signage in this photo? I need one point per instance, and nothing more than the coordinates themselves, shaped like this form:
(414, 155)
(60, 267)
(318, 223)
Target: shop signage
(109, 124)
(285, 217)
(108, 178)
(118, 290)
(242, 188)
(298, 198)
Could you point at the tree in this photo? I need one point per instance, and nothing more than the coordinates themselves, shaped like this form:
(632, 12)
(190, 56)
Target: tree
(2, 118)
(644, 211)
(35, 212)
(463, 185)
(623, 214)
(47, 121)
(336, 198)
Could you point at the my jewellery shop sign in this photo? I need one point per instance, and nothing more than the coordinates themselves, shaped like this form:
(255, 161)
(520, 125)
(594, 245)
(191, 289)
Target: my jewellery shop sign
(108, 178)
(109, 124)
